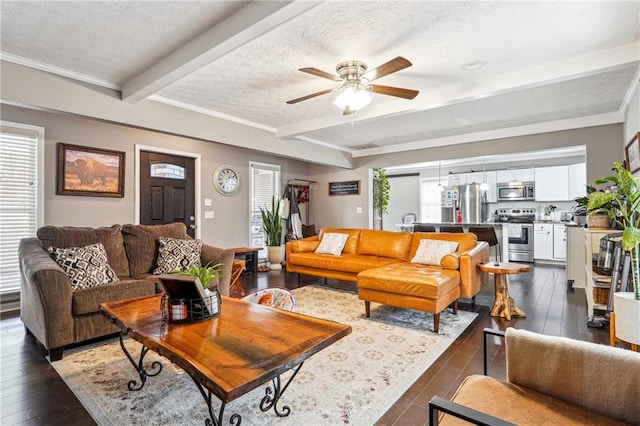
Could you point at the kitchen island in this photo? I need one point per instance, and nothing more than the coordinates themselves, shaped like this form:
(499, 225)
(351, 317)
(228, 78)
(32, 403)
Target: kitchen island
(499, 227)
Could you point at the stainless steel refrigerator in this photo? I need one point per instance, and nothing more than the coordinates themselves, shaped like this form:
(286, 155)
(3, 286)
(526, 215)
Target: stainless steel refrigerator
(469, 200)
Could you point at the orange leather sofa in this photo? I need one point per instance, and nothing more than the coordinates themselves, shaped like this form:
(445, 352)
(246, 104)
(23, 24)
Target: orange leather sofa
(379, 262)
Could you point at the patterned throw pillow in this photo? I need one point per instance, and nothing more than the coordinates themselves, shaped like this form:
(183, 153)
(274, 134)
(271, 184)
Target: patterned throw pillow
(177, 255)
(332, 243)
(430, 252)
(85, 266)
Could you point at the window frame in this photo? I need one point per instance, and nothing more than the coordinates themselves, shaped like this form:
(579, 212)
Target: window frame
(277, 169)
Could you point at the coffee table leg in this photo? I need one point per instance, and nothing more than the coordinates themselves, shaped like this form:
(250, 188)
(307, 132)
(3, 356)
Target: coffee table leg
(273, 396)
(139, 366)
(214, 420)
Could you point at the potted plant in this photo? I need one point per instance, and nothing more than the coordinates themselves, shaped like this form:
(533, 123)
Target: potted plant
(272, 226)
(204, 273)
(583, 216)
(622, 204)
(381, 188)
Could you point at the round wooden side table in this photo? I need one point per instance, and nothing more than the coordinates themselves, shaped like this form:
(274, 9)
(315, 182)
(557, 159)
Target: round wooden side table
(504, 306)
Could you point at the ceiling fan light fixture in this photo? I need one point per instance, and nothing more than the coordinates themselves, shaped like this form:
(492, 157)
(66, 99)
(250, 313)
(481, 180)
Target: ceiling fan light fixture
(352, 98)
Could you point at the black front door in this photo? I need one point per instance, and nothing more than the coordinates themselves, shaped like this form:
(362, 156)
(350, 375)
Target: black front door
(167, 189)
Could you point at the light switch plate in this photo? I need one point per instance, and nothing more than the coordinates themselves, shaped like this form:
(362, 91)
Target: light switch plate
(208, 214)
(208, 202)
(359, 210)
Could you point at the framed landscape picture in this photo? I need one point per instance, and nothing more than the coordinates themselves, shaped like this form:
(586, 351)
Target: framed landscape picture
(89, 171)
(632, 154)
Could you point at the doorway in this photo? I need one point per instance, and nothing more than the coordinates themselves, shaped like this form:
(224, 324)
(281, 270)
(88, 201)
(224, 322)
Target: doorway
(168, 188)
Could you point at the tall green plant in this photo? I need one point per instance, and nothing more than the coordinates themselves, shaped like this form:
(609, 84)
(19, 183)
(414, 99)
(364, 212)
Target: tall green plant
(622, 204)
(381, 189)
(272, 223)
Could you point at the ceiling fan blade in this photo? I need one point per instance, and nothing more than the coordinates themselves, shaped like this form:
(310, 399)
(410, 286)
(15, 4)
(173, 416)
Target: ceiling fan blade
(313, 95)
(320, 73)
(387, 68)
(394, 91)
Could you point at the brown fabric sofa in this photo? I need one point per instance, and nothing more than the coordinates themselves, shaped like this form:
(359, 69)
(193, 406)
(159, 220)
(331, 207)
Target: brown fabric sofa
(550, 380)
(58, 316)
(379, 262)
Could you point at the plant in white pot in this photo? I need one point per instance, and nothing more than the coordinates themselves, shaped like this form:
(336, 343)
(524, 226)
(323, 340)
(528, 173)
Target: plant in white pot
(272, 226)
(622, 204)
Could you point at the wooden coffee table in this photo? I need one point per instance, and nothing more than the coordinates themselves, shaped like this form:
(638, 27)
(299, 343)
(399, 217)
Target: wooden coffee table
(229, 355)
(504, 306)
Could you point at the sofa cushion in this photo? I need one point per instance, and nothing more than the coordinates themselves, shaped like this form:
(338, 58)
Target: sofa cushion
(88, 300)
(86, 266)
(519, 405)
(301, 246)
(431, 252)
(352, 263)
(407, 278)
(351, 245)
(384, 243)
(177, 255)
(71, 236)
(466, 241)
(332, 243)
(141, 243)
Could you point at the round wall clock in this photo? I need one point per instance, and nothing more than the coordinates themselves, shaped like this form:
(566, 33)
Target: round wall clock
(226, 180)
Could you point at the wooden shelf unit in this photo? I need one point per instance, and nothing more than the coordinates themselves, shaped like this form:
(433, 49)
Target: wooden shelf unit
(592, 246)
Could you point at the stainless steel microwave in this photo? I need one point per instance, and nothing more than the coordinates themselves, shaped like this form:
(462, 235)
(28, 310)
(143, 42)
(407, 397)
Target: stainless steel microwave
(515, 191)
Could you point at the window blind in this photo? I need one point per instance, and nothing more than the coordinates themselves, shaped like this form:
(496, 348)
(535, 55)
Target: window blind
(18, 199)
(264, 184)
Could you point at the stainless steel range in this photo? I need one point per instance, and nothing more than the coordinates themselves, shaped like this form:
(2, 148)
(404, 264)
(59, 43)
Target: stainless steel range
(520, 230)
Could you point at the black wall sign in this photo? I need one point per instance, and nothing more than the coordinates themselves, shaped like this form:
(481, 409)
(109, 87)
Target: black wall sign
(351, 187)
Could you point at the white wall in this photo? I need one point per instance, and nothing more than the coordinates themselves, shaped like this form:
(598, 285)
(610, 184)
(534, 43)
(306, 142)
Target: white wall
(632, 120)
(403, 198)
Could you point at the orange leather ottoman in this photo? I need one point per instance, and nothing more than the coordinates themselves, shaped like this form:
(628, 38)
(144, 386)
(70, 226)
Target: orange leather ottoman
(412, 286)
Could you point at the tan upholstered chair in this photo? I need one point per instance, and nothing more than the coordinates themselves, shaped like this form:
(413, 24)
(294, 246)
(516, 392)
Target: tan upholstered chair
(550, 380)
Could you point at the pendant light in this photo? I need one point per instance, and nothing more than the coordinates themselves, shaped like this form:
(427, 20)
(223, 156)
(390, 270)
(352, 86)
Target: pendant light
(484, 186)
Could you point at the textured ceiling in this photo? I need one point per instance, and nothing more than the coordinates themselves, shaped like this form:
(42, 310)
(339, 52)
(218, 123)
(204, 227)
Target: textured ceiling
(546, 61)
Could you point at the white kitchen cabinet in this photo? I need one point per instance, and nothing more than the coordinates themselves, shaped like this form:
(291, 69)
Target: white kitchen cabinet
(543, 241)
(577, 180)
(552, 183)
(524, 175)
(575, 255)
(518, 175)
(458, 179)
(474, 177)
(505, 176)
(559, 242)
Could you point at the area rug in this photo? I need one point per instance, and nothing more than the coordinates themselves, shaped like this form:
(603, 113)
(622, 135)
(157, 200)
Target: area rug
(353, 382)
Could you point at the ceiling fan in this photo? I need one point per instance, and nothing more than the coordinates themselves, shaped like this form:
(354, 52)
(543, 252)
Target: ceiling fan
(356, 83)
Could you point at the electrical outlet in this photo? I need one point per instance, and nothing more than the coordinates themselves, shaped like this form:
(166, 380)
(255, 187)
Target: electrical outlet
(209, 214)
(359, 210)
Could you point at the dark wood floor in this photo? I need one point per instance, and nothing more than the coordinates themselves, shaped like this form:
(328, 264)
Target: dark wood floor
(31, 391)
